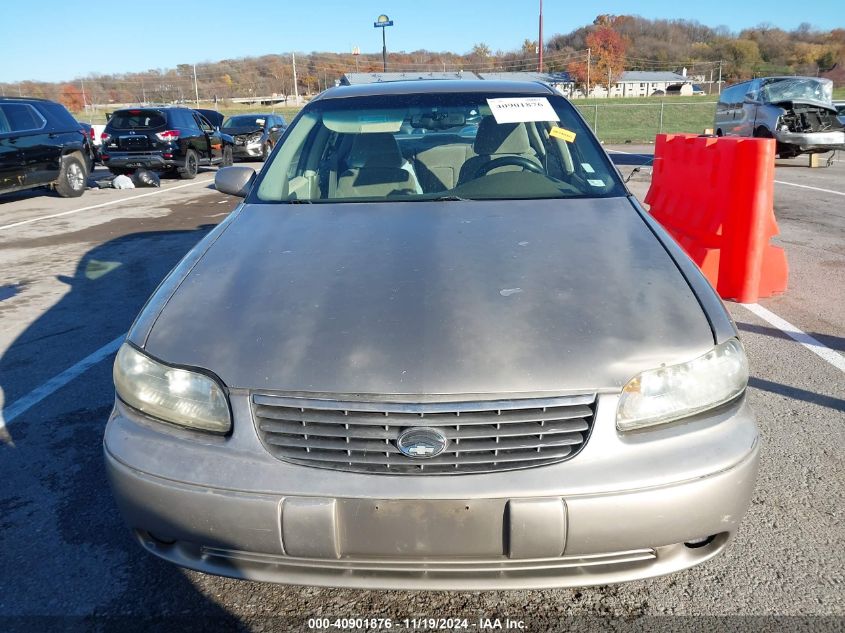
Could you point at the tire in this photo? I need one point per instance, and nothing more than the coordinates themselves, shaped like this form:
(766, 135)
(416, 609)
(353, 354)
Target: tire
(762, 132)
(72, 177)
(191, 167)
(228, 159)
(265, 151)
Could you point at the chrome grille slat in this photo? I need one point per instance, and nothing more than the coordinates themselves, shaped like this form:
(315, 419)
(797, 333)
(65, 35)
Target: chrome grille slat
(441, 460)
(471, 446)
(483, 436)
(435, 419)
(457, 434)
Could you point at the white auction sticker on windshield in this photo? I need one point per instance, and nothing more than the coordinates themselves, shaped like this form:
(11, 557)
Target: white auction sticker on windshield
(522, 110)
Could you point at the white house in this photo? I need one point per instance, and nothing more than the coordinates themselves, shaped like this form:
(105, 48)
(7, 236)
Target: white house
(644, 83)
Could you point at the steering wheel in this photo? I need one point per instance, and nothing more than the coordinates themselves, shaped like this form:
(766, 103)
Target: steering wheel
(518, 161)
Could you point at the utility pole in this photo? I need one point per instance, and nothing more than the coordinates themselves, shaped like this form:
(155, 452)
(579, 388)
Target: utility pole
(588, 73)
(720, 77)
(540, 40)
(84, 100)
(295, 83)
(196, 89)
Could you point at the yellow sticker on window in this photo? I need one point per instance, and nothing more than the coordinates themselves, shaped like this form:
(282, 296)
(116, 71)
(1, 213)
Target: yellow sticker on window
(561, 133)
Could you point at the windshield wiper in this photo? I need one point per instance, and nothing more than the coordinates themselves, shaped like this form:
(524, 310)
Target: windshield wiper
(299, 201)
(451, 199)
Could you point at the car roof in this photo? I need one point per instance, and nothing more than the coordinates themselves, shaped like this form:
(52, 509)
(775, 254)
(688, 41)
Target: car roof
(435, 86)
(24, 99)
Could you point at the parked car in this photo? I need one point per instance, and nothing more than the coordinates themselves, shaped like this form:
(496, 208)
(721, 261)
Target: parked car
(698, 91)
(469, 363)
(798, 112)
(41, 144)
(255, 134)
(172, 139)
(658, 93)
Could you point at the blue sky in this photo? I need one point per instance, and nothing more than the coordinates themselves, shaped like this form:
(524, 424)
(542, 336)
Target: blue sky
(59, 39)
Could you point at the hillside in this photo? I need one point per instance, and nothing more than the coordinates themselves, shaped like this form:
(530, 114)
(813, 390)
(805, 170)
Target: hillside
(616, 43)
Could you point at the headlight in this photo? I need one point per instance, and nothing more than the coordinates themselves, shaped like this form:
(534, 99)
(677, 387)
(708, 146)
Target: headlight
(254, 140)
(183, 397)
(669, 393)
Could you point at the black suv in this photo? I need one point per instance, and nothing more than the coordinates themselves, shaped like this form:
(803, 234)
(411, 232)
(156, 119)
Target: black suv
(164, 139)
(41, 144)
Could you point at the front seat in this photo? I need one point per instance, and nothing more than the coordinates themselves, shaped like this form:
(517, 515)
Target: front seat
(374, 168)
(494, 140)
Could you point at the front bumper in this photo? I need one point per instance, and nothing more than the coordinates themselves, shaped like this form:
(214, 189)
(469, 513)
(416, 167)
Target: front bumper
(246, 151)
(554, 526)
(813, 141)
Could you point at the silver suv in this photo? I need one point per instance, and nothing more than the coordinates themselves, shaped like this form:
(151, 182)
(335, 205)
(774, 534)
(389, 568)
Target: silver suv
(796, 111)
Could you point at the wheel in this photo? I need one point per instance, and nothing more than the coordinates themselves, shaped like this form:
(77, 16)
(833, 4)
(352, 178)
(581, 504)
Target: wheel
(189, 171)
(762, 132)
(265, 151)
(72, 177)
(228, 160)
(719, 132)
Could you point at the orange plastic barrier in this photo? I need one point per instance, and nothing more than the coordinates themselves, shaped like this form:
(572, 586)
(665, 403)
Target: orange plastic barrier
(715, 197)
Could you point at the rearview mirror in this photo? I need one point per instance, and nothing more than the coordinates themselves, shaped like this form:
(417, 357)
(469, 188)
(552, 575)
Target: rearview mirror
(236, 181)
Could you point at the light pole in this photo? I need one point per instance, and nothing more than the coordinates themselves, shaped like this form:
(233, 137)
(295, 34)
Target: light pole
(540, 39)
(382, 22)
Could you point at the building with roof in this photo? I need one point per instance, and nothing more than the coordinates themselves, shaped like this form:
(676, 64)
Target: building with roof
(630, 83)
(355, 79)
(644, 83)
(560, 81)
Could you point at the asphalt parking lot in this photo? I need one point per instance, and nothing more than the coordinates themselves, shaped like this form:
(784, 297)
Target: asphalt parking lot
(75, 272)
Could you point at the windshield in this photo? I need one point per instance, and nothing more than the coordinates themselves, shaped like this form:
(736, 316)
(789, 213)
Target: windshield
(797, 88)
(437, 146)
(244, 120)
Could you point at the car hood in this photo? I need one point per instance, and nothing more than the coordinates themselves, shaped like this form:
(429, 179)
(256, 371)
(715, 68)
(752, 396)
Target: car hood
(788, 104)
(472, 297)
(242, 129)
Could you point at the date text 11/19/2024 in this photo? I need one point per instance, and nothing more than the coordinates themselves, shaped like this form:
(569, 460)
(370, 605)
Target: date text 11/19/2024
(417, 624)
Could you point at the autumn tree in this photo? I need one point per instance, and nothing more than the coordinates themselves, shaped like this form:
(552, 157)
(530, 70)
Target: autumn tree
(71, 97)
(607, 48)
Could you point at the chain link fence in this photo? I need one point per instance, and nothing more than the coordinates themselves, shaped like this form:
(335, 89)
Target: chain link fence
(640, 122)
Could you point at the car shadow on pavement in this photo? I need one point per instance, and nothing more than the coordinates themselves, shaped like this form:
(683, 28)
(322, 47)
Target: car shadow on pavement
(76, 565)
(836, 343)
(796, 393)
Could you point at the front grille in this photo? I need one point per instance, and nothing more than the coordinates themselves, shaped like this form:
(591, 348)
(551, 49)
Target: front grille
(482, 436)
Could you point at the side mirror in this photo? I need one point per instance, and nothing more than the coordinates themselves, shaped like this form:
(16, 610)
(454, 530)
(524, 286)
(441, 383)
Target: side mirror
(275, 128)
(236, 180)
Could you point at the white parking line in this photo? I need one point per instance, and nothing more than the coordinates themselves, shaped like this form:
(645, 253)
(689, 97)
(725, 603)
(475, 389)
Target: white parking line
(811, 343)
(104, 204)
(794, 184)
(55, 383)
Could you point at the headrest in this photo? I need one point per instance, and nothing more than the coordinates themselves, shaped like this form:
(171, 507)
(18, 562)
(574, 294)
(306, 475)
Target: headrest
(378, 149)
(501, 138)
